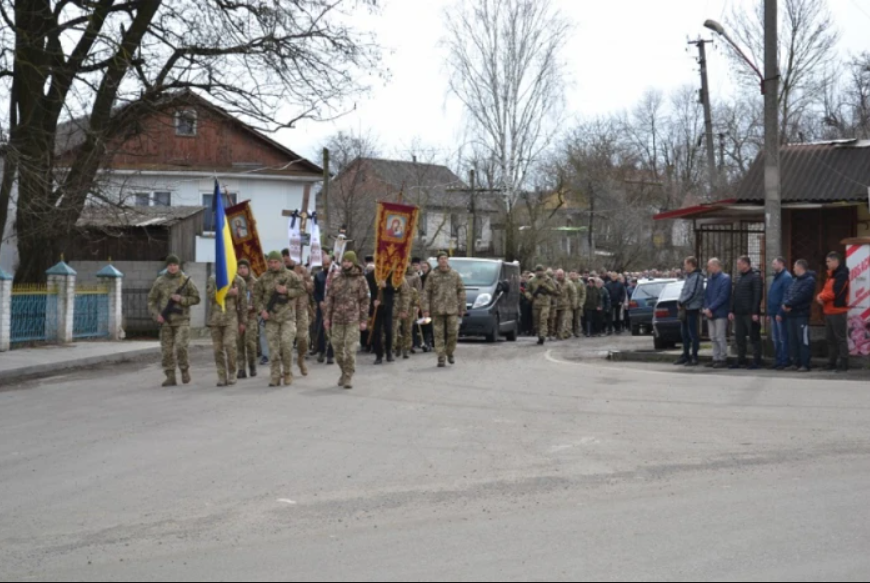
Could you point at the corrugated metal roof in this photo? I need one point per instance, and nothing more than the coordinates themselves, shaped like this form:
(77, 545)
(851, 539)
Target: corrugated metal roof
(822, 172)
(144, 216)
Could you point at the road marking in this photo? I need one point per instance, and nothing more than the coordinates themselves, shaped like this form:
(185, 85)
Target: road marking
(286, 501)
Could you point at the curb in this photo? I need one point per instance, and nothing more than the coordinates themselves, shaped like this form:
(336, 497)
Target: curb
(661, 357)
(50, 369)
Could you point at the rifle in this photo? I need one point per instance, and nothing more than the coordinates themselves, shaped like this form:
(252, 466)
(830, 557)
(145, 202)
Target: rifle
(276, 299)
(171, 307)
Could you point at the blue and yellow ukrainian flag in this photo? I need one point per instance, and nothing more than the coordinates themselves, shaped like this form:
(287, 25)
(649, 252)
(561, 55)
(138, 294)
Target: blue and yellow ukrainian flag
(225, 255)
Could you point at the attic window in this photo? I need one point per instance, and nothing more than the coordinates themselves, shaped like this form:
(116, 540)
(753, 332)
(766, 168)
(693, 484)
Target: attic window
(185, 123)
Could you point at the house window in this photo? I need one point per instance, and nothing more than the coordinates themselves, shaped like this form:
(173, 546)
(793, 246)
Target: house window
(162, 199)
(185, 123)
(230, 199)
(142, 198)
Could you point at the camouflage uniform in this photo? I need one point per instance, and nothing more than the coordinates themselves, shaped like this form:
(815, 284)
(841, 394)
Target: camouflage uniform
(224, 326)
(567, 299)
(175, 333)
(553, 322)
(444, 300)
(402, 306)
(303, 322)
(247, 346)
(408, 325)
(347, 308)
(281, 325)
(579, 304)
(540, 291)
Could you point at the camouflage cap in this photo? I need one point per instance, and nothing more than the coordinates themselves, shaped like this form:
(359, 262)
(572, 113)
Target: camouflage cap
(275, 256)
(244, 262)
(350, 256)
(173, 260)
(539, 268)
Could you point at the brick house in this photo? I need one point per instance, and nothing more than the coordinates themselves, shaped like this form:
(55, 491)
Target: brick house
(170, 153)
(445, 211)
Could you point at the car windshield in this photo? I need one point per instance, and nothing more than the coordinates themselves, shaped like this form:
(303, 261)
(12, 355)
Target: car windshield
(649, 290)
(672, 292)
(477, 273)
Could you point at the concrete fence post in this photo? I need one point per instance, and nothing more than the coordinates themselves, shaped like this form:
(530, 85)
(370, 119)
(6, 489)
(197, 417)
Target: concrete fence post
(5, 311)
(114, 280)
(62, 277)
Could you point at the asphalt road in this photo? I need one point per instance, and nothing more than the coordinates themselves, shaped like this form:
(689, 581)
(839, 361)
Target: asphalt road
(517, 464)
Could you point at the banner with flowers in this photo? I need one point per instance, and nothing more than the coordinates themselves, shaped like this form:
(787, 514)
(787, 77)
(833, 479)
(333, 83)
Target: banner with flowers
(396, 229)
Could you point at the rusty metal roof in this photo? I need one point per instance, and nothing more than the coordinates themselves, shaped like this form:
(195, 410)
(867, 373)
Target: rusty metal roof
(836, 171)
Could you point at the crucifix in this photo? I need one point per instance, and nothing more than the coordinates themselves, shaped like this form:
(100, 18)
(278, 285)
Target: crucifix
(306, 197)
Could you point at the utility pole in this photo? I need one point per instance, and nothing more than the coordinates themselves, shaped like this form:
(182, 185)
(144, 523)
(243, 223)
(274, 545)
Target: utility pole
(772, 184)
(708, 113)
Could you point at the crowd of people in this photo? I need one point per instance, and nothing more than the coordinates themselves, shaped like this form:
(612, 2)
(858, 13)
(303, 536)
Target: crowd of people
(558, 305)
(327, 314)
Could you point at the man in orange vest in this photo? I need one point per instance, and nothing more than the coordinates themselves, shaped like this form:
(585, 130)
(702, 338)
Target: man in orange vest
(835, 301)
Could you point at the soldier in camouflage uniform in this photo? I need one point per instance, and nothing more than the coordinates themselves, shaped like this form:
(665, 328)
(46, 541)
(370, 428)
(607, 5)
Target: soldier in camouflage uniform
(303, 318)
(444, 301)
(579, 304)
(227, 325)
(346, 315)
(174, 331)
(281, 319)
(567, 299)
(408, 324)
(554, 307)
(247, 350)
(540, 291)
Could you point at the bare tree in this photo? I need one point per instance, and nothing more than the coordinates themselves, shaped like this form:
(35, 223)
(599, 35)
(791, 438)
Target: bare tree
(106, 62)
(847, 104)
(504, 57)
(808, 39)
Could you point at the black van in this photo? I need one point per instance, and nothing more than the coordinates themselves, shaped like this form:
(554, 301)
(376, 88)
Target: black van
(493, 290)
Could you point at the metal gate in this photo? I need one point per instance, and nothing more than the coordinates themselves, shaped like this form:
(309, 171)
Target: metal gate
(91, 315)
(137, 318)
(34, 314)
(730, 242)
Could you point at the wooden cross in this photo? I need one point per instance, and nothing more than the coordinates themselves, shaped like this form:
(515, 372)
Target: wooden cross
(306, 198)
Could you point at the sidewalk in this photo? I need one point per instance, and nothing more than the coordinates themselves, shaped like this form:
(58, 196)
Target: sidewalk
(56, 359)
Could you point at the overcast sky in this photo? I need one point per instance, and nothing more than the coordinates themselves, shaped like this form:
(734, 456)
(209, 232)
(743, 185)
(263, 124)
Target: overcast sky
(620, 49)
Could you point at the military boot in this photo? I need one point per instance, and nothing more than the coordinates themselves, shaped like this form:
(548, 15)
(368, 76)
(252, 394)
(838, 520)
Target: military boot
(321, 358)
(541, 341)
(170, 380)
(288, 379)
(253, 368)
(222, 381)
(342, 380)
(348, 382)
(185, 376)
(442, 362)
(242, 374)
(405, 355)
(451, 359)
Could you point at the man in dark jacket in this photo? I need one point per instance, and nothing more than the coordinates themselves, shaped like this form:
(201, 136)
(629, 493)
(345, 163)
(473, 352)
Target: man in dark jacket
(746, 313)
(797, 306)
(834, 300)
(691, 301)
(606, 306)
(616, 290)
(782, 283)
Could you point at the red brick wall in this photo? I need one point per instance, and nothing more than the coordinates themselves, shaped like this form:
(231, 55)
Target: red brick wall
(218, 143)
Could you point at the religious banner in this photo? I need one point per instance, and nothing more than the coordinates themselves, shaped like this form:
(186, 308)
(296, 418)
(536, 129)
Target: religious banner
(294, 234)
(316, 258)
(246, 239)
(858, 262)
(396, 228)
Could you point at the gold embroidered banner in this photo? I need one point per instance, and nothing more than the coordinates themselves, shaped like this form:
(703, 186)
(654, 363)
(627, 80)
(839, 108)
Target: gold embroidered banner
(396, 228)
(246, 239)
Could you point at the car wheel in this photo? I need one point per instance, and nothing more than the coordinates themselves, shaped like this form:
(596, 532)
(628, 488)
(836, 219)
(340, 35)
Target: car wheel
(514, 334)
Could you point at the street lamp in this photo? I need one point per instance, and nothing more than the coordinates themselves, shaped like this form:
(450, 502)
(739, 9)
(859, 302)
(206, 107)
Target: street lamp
(770, 90)
(720, 30)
